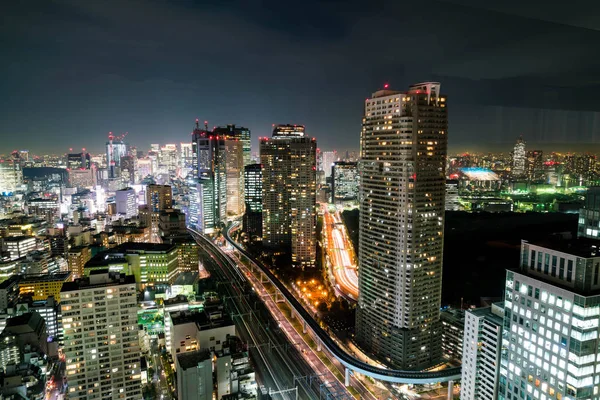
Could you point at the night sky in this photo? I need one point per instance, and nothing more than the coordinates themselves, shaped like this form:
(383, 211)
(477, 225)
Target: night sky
(74, 70)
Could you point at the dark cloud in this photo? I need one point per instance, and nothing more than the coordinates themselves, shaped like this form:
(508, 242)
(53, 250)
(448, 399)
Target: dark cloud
(74, 70)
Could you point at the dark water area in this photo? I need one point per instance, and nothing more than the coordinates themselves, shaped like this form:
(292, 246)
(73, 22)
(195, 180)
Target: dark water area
(479, 247)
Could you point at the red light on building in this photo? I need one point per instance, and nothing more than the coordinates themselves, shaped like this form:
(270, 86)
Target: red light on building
(386, 86)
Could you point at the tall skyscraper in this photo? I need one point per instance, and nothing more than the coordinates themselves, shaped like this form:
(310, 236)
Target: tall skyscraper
(239, 133)
(234, 166)
(11, 174)
(519, 159)
(329, 157)
(102, 351)
(168, 159)
(551, 323)
(402, 188)
(210, 169)
(289, 192)
(344, 182)
(115, 149)
(253, 200)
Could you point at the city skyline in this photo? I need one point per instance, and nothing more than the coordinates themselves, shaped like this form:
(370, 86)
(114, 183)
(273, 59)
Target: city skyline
(493, 101)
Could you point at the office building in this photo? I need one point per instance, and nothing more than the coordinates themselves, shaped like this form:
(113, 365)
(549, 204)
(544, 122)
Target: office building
(344, 182)
(159, 197)
(253, 200)
(452, 199)
(82, 178)
(150, 263)
(115, 149)
(482, 342)
(11, 175)
(402, 187)
(234, 165)
(126, 201)
(106, 364)
(171, 224)
(78, 161)
(168, 161)
(232, 132)
(519, 164)
(289, 192)
(211, 185)
(19, 246)
(329, 158)
(551, 329)
(77, 257)
(589, 215)
(194, 375)
(43, 286)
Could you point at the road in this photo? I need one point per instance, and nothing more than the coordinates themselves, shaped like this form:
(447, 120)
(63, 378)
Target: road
(340, 254)
(159, 378)
(280, 362)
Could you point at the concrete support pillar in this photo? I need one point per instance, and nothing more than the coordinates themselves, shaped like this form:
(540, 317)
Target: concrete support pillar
(450, 390)
(347, 378)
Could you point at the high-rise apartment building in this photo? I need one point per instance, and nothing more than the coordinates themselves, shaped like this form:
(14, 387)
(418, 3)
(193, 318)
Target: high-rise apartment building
(232, 132)
(552, 323)
(519, 164)
(482, 342)
(101, 343)
(289, 192)
(402, 188)
(126, 201)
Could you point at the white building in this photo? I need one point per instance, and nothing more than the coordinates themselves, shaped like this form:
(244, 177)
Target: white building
(189, 331)
(481, 353)
(329, 157)
(101, 342)
(551, 323)
(589, 215)
(126, 201)
(402, 188)
(519, 159)
(11, 175)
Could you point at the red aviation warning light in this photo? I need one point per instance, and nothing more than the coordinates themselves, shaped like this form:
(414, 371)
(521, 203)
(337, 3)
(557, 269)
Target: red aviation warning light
(387, 85)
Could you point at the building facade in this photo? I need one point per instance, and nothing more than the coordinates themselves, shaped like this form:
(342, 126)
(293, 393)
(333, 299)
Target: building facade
(551, 323)
(253, 200)
(126, 201)
(519, 159)
(106, 364)
(402, 188)
(289, 192)
(482, 342)
(344, 183)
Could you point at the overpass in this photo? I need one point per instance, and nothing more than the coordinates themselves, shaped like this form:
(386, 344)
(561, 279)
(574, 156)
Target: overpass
(323, 339)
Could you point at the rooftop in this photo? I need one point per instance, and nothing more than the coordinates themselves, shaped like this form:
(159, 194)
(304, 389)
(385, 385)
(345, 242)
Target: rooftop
(186, 278)
(145, 247)
(98, 278)
(204, 320)
(191, 359)
(58, 276)
(580, 247)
